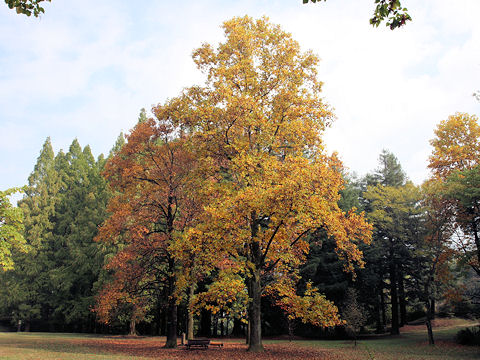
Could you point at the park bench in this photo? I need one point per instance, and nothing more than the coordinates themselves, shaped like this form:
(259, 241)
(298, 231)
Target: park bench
(217, 344)
(202, 343)
(198, 343)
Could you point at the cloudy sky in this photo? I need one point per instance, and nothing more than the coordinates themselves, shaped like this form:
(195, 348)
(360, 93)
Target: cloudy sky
(86, 68)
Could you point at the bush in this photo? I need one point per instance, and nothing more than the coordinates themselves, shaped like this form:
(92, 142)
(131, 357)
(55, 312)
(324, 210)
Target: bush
(469, 336)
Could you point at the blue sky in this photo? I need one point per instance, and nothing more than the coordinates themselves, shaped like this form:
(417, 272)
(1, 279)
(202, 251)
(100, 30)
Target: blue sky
(86, 68)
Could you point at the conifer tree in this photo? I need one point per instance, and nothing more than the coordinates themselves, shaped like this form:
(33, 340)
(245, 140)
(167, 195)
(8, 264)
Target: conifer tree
(30, 287)
(392, 206)
(81, 209)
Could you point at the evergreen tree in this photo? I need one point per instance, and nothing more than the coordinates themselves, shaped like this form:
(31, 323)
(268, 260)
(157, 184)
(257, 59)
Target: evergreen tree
(64, 202)
(392, 206)
(80, 211)
(28, 293)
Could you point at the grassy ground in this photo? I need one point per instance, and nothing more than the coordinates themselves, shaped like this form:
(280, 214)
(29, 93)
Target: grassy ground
(412, 344)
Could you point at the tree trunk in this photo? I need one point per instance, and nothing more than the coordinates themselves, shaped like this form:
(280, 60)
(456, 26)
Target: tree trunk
(171, 324)
(432, 308)
(172, 308)
(477, 244)
(402, 300)
(428, 302)
(430, 332)
(132, 326)
(254, 286)
(383, 308)
(190, 320)
(428, 322)
(291, 327)
(254, 313)
(380, 311)
(172, 305)
(394, 297)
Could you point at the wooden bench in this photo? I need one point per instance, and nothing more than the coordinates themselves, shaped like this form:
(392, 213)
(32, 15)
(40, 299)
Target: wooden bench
(198, 343)
(202, 343)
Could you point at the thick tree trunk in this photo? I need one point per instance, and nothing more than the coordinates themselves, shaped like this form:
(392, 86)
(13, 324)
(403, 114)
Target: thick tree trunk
(428, 321)
(172, 308)
(133, 324)
(190, 321)
(291, 327)
(190, 325)
(379, 312)
(477, 244)
(383, 308)
(254, 313)
(428, 302)
(254, 286)
(394, 297)
(171, 324)
(402, 299)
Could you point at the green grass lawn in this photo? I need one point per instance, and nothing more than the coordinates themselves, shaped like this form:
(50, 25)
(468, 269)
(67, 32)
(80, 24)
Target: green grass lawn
(411, 344)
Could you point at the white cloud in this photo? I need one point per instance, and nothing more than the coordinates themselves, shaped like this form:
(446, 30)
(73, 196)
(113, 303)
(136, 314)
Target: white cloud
(86, 68)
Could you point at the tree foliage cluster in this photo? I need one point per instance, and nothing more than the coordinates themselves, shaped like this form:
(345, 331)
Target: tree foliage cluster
(27, 7)
(389, 11)
(11, 226)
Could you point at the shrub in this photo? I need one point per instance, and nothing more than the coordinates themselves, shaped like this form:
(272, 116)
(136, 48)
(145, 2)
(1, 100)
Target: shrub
(469, 336)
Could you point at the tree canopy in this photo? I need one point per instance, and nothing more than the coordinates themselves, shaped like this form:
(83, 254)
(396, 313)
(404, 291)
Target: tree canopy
(256, 125)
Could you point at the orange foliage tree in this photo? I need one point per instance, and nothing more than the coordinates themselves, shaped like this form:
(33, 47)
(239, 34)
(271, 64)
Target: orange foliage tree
(268, 181)
(455, 166)
(456, 145)
(152, 178)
